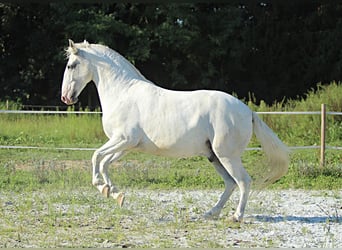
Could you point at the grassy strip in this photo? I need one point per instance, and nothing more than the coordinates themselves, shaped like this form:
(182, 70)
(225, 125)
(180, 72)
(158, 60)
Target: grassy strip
(51, 130)
(144, 171)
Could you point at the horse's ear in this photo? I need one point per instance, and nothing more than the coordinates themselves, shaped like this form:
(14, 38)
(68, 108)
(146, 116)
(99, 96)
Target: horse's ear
(72, 47)
(85, 42)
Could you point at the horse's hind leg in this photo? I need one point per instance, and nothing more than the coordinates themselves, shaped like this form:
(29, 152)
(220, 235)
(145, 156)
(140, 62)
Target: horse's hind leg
(230, 185)
(234, 167)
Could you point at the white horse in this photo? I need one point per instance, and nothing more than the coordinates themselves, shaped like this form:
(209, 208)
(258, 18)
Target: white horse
(138, 115)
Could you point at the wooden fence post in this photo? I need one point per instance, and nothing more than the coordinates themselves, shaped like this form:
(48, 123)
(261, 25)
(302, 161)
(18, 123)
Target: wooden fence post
(323, 126)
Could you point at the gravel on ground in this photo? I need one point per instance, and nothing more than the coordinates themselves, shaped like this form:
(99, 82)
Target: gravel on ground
(170, 218)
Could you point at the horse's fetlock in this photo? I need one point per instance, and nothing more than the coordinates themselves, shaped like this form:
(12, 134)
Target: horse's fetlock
(114, 189)
(97, 182)
(212, 214)
(236, 218)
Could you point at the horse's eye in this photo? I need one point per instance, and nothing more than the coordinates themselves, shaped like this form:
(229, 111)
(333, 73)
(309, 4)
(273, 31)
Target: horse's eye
(72, 66)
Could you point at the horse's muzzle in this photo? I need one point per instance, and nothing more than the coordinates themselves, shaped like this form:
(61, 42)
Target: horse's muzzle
(69, 101)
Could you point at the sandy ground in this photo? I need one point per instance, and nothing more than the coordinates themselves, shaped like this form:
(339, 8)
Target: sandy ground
(289, 218)
(282, 218)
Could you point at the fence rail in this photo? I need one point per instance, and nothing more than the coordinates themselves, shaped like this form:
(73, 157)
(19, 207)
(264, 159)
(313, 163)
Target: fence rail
(92, 149)
(99, 112)
(47, 112)
(322, 147)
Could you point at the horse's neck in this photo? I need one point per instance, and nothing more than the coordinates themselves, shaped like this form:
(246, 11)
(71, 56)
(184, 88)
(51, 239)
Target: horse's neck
(112, 88)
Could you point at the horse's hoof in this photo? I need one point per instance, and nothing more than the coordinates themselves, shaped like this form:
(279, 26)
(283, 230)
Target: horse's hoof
(105, 190)
(211, 216)
(234, 219)
(120, 199)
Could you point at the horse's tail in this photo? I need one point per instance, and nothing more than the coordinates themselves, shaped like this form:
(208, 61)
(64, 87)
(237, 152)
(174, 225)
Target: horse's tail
(276, 152)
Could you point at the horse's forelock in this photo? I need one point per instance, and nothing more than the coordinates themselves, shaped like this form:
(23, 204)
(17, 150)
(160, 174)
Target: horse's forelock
(70, 51)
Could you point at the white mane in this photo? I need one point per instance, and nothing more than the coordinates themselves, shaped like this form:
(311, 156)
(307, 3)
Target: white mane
(110, 56)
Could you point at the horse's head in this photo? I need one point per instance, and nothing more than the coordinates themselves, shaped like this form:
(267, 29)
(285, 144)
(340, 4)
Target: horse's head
(77, 74)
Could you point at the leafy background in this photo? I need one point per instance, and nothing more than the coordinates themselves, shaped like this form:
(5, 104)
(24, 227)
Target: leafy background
(275, 50)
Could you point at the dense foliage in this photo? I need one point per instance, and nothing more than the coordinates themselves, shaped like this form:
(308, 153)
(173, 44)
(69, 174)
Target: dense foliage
(272, 50)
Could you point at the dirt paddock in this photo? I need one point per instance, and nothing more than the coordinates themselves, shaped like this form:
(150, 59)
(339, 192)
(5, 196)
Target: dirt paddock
(82, 218)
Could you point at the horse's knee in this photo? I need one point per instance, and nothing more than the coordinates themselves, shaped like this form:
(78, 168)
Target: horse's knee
(95, 158)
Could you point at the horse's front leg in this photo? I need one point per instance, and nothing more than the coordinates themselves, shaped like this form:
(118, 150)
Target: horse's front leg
(98, 182)
(111, 189)
(101, 159)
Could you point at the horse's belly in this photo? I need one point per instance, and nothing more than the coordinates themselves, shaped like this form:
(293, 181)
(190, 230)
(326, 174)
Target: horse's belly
(178, 152)
(179, 148)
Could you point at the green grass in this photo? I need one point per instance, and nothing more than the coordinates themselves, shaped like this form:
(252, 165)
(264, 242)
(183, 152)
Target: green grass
(22, 169)
(152, 172)
(51, 130)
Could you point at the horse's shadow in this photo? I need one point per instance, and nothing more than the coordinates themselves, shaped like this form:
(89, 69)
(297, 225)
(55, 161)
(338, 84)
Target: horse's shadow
(302, 219)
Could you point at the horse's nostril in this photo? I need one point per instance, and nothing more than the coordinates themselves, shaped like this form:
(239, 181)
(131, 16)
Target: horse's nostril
(65, 99)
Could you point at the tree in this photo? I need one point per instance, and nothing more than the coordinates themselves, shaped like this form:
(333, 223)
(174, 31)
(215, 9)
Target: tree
(272, 50)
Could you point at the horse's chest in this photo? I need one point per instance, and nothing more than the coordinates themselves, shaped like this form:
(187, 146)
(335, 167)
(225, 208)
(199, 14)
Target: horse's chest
(119, 123)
